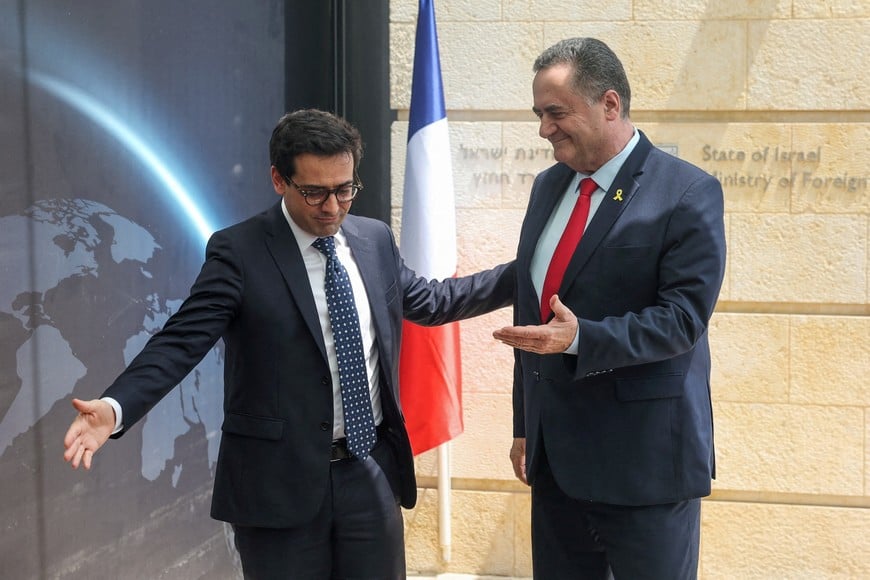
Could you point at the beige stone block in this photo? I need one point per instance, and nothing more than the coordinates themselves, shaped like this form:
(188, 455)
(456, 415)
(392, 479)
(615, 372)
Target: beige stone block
(398, 157)
(402, 64)
(787, 542)
(462, 10)
(478, 163)
(447, 10)
(426, 464)
(807, 65)
(830, 360)
(740, 155)
(403, 10)
(487, 365)
(422, 551)
(528, 155)
(486, 238)
(484, 65)
(750, 358)
(486, 523)
(830, 9)
(789, 448)
(522, 510)
(483, 527)
(798, 258)
(837, 180)
(867, 452)
(674, 65)
(705, 10)
(489, 65)
(566, 10)
(481, 452)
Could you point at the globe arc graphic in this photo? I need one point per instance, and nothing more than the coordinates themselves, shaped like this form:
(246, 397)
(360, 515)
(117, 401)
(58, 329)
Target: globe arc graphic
(103, 117)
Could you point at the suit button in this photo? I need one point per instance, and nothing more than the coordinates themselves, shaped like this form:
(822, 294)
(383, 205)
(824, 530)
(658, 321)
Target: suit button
(324, 426)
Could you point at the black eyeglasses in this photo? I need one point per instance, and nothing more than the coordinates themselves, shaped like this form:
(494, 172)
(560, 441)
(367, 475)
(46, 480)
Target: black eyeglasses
(319, 195)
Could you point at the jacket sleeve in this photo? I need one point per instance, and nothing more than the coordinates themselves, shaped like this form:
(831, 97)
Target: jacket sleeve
(435, 302)
(186, 337)
(689, 272)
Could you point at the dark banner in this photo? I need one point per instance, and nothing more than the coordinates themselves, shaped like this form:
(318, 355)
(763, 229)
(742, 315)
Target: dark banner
(129, 131)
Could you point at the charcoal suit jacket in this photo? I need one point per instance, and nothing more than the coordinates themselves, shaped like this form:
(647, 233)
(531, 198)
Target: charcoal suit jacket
(253, 291)
(628, 419)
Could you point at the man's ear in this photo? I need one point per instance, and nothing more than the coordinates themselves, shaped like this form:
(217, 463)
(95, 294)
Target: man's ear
(278, 181)
(612, 104)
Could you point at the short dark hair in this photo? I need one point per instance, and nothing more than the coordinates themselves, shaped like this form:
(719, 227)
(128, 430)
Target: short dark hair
(312, 131)
(597, 69)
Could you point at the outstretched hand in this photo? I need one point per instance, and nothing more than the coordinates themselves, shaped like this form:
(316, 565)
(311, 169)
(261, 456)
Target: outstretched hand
(554, 337)
(89, 430)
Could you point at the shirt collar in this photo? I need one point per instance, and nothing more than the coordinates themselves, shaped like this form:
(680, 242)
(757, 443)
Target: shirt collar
(303, 238)
(606, 174)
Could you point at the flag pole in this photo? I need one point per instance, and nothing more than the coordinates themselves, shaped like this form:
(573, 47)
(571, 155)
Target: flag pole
(444, 505)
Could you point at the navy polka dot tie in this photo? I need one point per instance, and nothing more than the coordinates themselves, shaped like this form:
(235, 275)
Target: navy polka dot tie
(359, 423)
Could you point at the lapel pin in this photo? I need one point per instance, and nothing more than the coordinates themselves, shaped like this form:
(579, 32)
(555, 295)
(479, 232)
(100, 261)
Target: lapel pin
(618, 196)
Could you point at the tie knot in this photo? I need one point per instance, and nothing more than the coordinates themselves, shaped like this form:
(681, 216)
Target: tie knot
(587, 186)
(325, 245)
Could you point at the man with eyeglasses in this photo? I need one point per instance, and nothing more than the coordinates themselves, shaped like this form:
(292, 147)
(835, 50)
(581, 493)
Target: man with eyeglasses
(311, 482)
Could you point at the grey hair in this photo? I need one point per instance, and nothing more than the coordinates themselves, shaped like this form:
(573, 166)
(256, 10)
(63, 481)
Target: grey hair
(597, 69)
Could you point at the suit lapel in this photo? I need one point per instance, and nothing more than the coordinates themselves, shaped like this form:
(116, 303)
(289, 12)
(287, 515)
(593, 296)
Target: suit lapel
(365, 253)
(544, 198)
(285, 252)
(370, 261)
(616, 200)
(546, 195)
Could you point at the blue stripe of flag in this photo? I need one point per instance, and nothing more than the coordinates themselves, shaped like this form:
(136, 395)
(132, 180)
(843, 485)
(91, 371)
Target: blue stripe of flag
(427, 91)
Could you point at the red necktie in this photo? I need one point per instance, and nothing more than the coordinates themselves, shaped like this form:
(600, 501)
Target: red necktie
(566, 246)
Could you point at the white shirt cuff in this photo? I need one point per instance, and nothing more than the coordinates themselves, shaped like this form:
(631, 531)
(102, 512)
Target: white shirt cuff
(118, 418)
(574, 346)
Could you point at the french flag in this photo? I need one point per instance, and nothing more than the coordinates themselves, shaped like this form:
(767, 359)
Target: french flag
(429, 366)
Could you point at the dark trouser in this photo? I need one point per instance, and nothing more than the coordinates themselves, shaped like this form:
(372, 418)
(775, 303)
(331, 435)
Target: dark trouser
(579, 540)
(358, 533)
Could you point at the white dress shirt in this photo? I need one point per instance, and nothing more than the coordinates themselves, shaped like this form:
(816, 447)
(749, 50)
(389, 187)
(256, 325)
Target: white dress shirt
(315, 265)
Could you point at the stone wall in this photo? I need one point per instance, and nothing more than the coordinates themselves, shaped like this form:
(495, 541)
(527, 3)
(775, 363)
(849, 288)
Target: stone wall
(770, 96)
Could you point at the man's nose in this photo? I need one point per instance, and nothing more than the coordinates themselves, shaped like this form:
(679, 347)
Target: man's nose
(546, 128)
(331, 204)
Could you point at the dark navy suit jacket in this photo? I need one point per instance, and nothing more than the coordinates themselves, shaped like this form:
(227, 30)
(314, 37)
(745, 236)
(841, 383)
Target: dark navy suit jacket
(628, 420)
(253, 291)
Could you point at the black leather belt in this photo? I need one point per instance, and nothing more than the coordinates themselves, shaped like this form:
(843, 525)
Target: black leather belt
(340, 450)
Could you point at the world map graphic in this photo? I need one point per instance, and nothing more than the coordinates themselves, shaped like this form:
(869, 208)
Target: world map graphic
(83, 289)
(86, 246)
(77, 240)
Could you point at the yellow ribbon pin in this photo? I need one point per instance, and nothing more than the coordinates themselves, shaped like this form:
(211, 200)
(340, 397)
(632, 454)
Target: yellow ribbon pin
(618, 196)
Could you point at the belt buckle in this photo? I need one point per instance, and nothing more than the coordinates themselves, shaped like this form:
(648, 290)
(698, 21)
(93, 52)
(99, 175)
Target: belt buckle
(339, 451)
